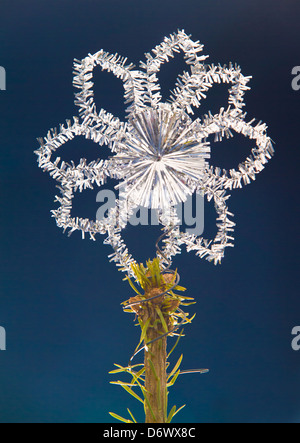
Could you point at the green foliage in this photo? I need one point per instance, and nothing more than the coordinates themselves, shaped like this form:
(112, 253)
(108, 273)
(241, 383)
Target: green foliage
(173, 412)
(168, 315)
(118, 417)
(162, 319)
(138, 382)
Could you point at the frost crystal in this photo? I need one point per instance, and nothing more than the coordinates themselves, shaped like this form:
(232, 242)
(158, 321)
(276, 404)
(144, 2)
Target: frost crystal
(160, 155)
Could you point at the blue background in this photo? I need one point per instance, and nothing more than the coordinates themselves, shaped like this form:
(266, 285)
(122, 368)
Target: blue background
(60, 297)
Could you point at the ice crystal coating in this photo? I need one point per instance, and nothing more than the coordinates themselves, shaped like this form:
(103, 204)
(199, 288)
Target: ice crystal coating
(160, 154)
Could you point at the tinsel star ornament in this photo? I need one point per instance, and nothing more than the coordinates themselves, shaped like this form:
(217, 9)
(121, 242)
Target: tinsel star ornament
(160, 154)
(162, 158)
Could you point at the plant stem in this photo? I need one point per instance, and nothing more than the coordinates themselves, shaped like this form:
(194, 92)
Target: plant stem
(156, 310)
(155, 375)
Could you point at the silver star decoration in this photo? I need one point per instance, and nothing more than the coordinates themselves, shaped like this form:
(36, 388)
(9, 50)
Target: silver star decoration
(160, 154)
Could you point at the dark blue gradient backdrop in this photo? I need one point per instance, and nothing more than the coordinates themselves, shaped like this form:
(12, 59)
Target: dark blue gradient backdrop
(60, 297)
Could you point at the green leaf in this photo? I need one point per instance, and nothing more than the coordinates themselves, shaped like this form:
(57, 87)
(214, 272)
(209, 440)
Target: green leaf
(175, 367)
(158, 392)
(171, 383)
(189, 320)
(179, 288)
(133, 286)
(153, 368)
(144, 329)
(156, 272)
(137, 376)
(124, 369)
(179, 410)
(122, 383)
(179, 337)
(163, 321)
(166, 403)
(131, 392)
(183, 297)
(118, 417)
(134, 420)
(116, 371)
(171, 415)
(148, 404)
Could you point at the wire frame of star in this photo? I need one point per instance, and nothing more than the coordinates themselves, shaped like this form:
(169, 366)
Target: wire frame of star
(160, 153)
